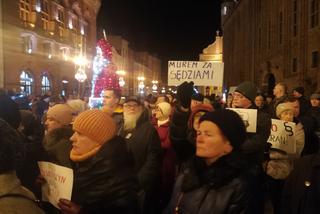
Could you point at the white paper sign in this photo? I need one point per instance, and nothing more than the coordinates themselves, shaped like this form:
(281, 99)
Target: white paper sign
(202, 73)
(59, 182)
(282, 136)
(249, 117)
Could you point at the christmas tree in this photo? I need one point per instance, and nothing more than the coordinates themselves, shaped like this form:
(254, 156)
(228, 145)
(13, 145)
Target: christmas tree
(104, 73)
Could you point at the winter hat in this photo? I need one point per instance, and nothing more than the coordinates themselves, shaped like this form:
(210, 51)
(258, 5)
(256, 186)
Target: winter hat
(247, 89)
(230, 124)
(133, 99)
(315, 97)
(78, 105)
(165, 108)
(96, 125)
(283, 107)
(197, 96)
(9, 111)
(61, 113)
(299, 89)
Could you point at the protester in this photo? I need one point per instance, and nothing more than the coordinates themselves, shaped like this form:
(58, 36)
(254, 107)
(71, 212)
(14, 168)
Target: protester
(280, 93)
(305, 106)
(111, 99)
(14, 198)
(56, 142)
(104, 180)
(215, 180)
(301, 192)
(144, 144)
(168, 168)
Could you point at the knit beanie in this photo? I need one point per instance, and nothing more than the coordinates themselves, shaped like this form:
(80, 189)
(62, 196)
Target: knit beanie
(9, 111)
(315, 97)
(96, 125)
(230, 124)
(165, 108)
(61, 113)
(247, 89)
(299, 89)
(78, 105)
(283, 107)
(197, 96)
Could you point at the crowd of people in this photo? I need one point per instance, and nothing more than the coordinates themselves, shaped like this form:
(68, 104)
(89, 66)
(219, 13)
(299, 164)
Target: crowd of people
(164, 153)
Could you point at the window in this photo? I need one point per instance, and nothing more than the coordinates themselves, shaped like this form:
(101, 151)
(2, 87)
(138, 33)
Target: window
(314, 59)
(294, 65)
(47, 49)
(269, 34)
(27, 44)
(60, 20)
(295, 17)
(65, 52)
(280, 27)
(45, 84)
(25, 10)
(314, 13)
(26, 83)
(45, 14)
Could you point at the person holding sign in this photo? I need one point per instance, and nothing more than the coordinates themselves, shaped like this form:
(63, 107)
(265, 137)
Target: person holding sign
(104, 180)
(279, 164)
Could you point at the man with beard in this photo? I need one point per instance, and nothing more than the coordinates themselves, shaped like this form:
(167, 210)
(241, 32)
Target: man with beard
(144, 144)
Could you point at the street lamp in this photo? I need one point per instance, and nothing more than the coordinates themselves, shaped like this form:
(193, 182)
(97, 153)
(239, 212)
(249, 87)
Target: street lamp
(141, 83)
(154, 86)
(121, 74)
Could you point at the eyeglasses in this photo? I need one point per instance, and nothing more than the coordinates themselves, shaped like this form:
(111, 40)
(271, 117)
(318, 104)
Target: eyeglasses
(237, 95)
(130, 106)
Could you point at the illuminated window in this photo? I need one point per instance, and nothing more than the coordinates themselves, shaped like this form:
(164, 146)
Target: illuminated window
(45, 84)
(45, 14)
(27, 44)
(47, 49)
(314, 13)
(26, 81)
(25, 9)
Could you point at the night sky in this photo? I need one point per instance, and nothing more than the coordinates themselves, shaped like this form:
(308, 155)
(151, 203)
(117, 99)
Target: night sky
(171, 29)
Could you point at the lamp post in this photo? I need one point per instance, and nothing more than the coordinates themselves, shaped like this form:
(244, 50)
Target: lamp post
(141, 84)
(80, 62)
(121, 74)
(154, 86)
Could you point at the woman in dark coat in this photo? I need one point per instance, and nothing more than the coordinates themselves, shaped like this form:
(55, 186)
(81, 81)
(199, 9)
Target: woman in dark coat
(215, 180)
(104, 180)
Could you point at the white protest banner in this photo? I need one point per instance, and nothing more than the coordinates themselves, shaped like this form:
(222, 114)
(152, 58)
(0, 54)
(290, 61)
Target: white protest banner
(59, 181)
(282, 136)
(202, 73)
(249, 117)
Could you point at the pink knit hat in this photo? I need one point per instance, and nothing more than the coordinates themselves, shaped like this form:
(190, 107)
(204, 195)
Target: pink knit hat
(62, 113)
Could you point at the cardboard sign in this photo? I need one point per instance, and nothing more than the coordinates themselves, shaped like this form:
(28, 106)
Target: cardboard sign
(202, 73)
(249, 117)
(282, 136)
(59, 182)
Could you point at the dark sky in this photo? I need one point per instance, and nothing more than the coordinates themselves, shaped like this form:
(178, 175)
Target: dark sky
(172, 29)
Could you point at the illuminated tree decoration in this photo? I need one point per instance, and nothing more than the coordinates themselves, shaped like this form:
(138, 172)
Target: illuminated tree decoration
(104, 71)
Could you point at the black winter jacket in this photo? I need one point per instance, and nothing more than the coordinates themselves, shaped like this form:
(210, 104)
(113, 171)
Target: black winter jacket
(301, 193)
(106, 182)
(144, 144)
(219, 188)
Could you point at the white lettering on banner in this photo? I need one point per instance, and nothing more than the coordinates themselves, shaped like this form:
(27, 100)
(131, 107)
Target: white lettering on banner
(201, 73)
(282, 136)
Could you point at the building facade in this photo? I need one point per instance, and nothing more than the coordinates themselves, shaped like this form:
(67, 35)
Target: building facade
(135, 64)
(270, 41)
(39, 40)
